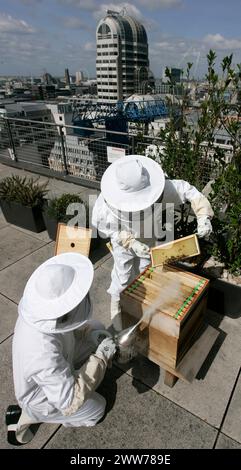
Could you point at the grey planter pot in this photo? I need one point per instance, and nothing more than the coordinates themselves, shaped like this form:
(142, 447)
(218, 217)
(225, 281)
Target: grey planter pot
(30, 218)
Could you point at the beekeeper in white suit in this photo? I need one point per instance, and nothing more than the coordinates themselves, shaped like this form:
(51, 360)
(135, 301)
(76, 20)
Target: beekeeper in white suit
(52, 336)
(130, 187)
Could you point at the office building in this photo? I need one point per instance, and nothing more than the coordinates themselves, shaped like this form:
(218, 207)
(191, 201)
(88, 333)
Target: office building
(66, 77)
(122, 63)
(79, 77)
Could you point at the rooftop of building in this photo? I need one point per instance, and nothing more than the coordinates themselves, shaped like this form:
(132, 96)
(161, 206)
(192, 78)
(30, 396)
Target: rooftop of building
(141, 411)
(129, 28)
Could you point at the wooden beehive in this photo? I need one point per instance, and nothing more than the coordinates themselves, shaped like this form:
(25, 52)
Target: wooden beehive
(177, 302)
(73, 239)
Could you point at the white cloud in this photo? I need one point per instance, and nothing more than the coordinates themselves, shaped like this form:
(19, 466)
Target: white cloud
(73, 22)
(90, 46)
(30, 2)
(217, 41)
(163, 44)
(96, 4)
(8, 24)
(84, 4)
(168, 44)
(161, 3)
(132, 10)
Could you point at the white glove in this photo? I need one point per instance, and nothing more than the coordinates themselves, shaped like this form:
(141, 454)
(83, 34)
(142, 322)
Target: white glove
(107, 348)
(140, 249)
(204, 227)
(97, 336)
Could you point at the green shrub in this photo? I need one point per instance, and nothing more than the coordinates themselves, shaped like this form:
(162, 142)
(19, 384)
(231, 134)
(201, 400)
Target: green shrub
(22, 190)
(57, 207)
(226, 202)
(184, 155)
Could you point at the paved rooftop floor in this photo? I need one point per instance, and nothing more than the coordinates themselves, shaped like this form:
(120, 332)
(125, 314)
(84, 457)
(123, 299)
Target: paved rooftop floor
(142, 412)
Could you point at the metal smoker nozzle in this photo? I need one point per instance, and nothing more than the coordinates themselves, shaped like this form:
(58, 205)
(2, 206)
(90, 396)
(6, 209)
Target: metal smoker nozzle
(125, 342)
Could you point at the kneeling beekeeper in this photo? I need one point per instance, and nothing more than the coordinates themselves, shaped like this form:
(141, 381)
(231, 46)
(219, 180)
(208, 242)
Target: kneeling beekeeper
(52, 337)
(131, 187)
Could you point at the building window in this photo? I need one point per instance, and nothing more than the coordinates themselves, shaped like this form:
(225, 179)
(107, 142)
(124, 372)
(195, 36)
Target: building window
(104, 29)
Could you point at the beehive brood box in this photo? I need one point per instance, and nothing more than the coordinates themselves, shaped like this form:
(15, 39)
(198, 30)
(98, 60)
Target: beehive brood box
(175, 302)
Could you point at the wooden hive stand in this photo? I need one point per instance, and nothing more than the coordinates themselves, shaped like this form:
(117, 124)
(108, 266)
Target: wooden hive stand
(174, 335)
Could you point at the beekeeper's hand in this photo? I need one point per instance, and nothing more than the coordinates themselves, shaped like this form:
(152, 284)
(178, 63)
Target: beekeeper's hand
(107, 348)
(140, 249)
(204, 227)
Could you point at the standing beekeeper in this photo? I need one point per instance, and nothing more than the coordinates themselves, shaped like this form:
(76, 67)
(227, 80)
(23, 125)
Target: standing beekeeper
(52, 337)
(126, 209)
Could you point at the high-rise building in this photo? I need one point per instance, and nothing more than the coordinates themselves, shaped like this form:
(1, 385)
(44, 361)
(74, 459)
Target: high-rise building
(176, 75)
(66, 77)
(122, 62)
(79, 77)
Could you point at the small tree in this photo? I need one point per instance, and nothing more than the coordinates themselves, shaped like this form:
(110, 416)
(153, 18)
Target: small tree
(189, 152)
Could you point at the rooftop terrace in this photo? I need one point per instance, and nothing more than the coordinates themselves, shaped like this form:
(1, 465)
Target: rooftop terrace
(141, 411)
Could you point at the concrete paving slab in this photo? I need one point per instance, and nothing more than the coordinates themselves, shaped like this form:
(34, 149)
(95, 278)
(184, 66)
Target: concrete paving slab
(101, 260)
(89, 195)
(8, 316)
(43, 236)
(135, 421)
(232, 423)
(99, 296)
(14, 277)
(58, 187)
(3, 222)
(55, 186)
(99, 255)
(109, 264)
(225, 442)
(9, 171)
(207, 396)
(15, 245)
(7, 398)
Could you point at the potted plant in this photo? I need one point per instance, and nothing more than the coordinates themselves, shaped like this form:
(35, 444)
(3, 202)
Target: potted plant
(22, 200)
(61, 210)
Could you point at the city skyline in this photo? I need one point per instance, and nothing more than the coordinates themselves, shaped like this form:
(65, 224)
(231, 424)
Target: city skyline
(40, 35)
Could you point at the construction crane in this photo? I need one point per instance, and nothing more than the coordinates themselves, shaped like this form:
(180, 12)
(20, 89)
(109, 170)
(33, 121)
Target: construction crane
(115, 116)
(133, 111)
(114, 119)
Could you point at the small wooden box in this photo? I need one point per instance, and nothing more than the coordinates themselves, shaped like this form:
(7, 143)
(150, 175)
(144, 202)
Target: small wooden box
(175, 301)
(73, 239)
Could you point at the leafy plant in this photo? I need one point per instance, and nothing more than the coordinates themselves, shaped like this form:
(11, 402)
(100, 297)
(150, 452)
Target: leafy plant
(22, 190)
(188, 151)
(57, 207)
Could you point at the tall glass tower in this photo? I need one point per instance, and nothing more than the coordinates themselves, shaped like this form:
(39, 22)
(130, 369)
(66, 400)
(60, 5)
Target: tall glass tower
(122, 62)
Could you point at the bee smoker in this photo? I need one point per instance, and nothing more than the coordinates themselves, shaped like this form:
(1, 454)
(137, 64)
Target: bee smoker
(126, 342)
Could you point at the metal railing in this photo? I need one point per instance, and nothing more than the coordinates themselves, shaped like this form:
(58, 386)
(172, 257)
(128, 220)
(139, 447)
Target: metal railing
(78, 154)
(61, 150)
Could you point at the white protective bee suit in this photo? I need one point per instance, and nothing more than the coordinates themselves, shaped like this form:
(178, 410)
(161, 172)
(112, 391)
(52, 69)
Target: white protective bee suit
(130, 187)
(51, 339)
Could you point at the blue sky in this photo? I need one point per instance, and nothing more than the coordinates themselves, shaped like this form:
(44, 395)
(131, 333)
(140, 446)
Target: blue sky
(49, 35)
